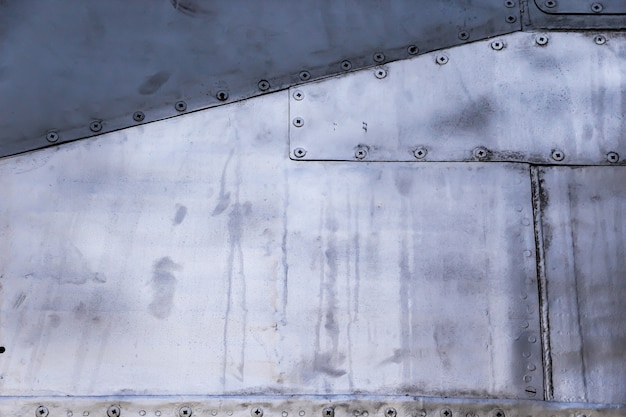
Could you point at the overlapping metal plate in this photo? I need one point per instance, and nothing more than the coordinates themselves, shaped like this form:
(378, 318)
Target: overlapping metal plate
(574, 14)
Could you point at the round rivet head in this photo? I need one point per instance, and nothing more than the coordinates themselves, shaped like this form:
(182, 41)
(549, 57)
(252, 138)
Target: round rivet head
(379, 57)
(222, 95)
(441, 59)
(264, 85)
(305, 75)
(511, 19)
(446, 412)
(509, 3)
(597, 7)
(412, 49)
(185, 412)
(531, 391)
(480, 153)
(464, 35)
(599, 39)
(360, 153)
(256, 412)
(114, 411)
(298, 122)
(298, 95)
(380, 73)
(95, 126)
(41, 411)
(299, 152)
(549, 3)
(391, 412)
(497, 45)
(52, 136)
(346, 65)
(180, 106)
(541, 40)
(420, 152)
(138, 116)
(328, 412)
(558, 155)
(612, 157)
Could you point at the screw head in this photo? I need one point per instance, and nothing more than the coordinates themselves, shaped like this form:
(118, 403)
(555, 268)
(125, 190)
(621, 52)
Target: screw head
(550, 3)
(95, 126)
(497, 45)
(299, 152)
(511, 19)
(531, 391)
(612, 157)
(380, 73)
(222, 95)
(52, 136)
(441, 59)
(391, 412)
(599, 39)
(256, 412)
(180, 106)
(464, 35)
(114, 411)
(41, 411)
(420, 152)
(328, 412)
(298, 122)
(360, 153)
(264, 85)
(305, 75)
(138, 116)
(346, 65)
(185, 412)
(298, 95)
(412, 49)
(509, 3)
(480, 153)
(446, 412)
(542, 40)
(379, 57)
(558, 155)
(597, 7)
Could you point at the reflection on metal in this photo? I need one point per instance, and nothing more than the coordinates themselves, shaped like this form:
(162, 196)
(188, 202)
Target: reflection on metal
(121, 63)
(535, 98)
(574, 14)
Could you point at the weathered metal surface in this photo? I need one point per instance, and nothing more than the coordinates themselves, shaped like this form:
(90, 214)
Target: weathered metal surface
(552, 98)
(300, 406)
(584, 232)
(68, 64)
(574, 14)
(586, 7)
(192, 256)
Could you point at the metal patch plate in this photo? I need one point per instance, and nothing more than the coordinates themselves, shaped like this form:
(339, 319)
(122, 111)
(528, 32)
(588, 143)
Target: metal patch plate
(584, 227)
(163, 58)
(595, 8)
(574, 14)
(528, 97)
(192, 256)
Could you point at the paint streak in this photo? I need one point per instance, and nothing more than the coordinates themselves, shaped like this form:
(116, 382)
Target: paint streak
(154, 83)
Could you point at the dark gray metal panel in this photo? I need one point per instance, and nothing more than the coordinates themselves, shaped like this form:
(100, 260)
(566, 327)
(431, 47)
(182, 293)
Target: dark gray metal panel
(574, 14)
(66, 64)
(584, 232)
(192, 256)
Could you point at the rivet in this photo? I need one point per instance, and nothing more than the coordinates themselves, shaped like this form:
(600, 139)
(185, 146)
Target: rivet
(138, 116)
(531, 367)
(301, 413)
(599, 39)
(70, 413)
(463, 35)
(526, 222)
(420, 152)
(527, 378)
(391, 412)
(525, 325)
(612, 157)
(142, 412)
(305, 75)
(532, 339)
(95, 126)
(531, 391)
(380, 73)
(256, 412)
(114, 411)
(509, 3)
(41, 411)
(412, 49)
(446, 412)
(441, 59)
(498, 413)
(213, 412)
(542, 40)
(298, 95)
(222, 95)
(328, 412)
(180, 106)
(346, 65)
(497, 45)
(52, 136)
(284, 414)
(511, 19)
(299, 152)
(365, 413)
(597, 7)
(550, 3)
(264, 85)
(379, 57)
(527, 253)
(421, 413)
(298, 122)
(558, 155)
(526, 355)
(480, 153)
(185, 412)
(360, 153)
(157, 413)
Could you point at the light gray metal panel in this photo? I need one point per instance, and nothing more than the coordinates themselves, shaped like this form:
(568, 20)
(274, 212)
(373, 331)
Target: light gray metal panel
(561, 102)
(584, 226)
(192, 256)
(66, 64)
(292, 406)
(574, 14)
(594, 8)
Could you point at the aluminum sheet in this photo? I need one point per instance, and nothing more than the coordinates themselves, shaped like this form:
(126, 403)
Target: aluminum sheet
(574, 14)
(584, 227)
(193, 257)
(557, 103)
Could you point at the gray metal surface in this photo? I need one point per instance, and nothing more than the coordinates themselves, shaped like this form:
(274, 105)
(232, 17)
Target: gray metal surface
(506, 99)
(584, 230)
(574, 14)
(192, 256)
(66, 64)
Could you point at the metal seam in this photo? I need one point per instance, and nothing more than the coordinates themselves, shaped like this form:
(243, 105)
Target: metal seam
(542, 282)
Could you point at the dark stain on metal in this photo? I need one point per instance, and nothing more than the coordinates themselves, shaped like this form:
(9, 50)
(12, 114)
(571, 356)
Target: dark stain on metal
(163, 287)
(181, 212)
(192, 8)
(154, 82)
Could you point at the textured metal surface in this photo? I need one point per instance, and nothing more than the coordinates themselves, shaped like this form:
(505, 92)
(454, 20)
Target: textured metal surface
(67, 64)
(584, 230)
(574, 14)
(594, 8)
(342, 406)
(528, 102)
(192, 256)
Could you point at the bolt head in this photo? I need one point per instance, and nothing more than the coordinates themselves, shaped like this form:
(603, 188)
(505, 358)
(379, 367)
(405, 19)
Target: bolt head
(305, 75)
(612, 157)
(328, 412)
(95, 126)
(599, 39)
(264, 85)
(541, 40)
(379, 57)
(52, 136)
(509, 3)
(346, 65)
(138, 116)
(360, 153)
(558, 155)
(412, 49)
(480, 153)
(114, 411)
(41, 411)
(298, 95)
(441, 59)
(180, 106)
(463, 35)
(185, 412)
(497, 45)
(420, 153)
(511, 19)
(299, 152)
(550, 3)
(380, 73)
(298, 122)
(597, 7)
(256, 412)
(222, 95)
